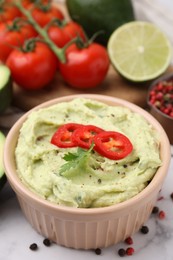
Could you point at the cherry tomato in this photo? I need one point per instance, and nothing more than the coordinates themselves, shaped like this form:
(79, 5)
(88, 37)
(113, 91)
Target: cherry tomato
(83, 136)
(13, 35)
(63, 136)
(62, 34)
(86, 67)
(44, 16)
(32, 69)
(8, 12)
(112, 145)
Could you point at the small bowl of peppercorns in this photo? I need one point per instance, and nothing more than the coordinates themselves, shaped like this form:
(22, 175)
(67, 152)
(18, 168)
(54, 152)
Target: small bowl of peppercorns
(160, 101)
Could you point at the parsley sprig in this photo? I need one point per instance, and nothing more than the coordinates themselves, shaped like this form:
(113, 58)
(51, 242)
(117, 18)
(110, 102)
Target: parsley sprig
(74, 159)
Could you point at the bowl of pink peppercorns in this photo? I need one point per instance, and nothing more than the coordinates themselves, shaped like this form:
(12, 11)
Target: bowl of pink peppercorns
(160, 101)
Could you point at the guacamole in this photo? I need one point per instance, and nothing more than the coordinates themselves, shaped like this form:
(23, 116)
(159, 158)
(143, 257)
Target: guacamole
(93, 181)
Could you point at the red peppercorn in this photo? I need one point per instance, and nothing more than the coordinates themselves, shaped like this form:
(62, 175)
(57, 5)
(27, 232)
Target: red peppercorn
(130, 251)
(159, 86)
(159, 96)
(162, 214)
(129, 241)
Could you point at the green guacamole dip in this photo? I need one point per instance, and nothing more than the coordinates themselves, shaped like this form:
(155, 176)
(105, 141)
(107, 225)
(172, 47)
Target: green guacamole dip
(96, 181)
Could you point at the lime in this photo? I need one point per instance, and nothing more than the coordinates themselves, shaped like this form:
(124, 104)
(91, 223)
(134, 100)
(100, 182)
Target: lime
(139, 51)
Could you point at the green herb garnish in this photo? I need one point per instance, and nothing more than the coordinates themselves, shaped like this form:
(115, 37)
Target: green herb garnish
(74, 159)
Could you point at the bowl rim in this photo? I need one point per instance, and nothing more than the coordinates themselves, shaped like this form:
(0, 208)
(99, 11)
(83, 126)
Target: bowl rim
(24, 191)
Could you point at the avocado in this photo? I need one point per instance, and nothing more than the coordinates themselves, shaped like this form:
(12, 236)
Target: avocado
(5, 88)
(2, 174)
(102, 16)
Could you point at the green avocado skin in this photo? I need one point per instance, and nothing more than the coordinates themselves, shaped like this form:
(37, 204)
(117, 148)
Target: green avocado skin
(6, 96)
(100, 15)
(3, 178)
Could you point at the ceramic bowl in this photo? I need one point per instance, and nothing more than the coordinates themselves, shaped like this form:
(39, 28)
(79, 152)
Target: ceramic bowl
(165, 120)
(90, 228)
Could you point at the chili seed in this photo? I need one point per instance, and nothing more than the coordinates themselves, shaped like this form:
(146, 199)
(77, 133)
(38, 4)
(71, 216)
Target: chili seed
(46, 242)
(155, 210)
(144, 230)
(129, 241)
(162, 214)
(130, 251)
(98, 251)
(33, 246)
(121, 252)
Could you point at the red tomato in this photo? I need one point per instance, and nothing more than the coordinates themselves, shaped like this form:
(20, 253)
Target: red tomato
(85, 68)
(8, 12)
(43, 17)
(112, 145)
(34, 69)
(15, 37)
(61, 35)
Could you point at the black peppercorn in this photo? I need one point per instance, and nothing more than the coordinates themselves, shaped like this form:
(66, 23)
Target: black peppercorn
(33, 246)
(155, 210)
(122, 252)
(46, 242)
(171, 195)
(98, 251)
(144, 230)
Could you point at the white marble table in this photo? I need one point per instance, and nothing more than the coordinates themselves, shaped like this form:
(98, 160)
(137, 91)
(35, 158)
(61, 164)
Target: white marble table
(16, 234)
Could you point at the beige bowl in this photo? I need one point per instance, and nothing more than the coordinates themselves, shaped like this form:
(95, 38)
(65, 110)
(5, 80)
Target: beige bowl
(94, 227)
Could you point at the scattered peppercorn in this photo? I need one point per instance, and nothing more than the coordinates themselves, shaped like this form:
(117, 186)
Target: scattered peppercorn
(171, 195)
(33, 246)
(46, 242)
(162, 214)
(129, 241)
(155, 210)
(122, 252)
(144, 229)
(130, 251)
(98, 251)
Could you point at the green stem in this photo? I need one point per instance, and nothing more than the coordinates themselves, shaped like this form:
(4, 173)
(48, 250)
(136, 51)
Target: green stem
(60, 53)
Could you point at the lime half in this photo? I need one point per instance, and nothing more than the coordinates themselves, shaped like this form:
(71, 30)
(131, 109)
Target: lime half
(139, 51)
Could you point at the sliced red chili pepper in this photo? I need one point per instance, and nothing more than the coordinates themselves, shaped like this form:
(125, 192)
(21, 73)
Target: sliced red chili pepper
(112, 145)
(83, 136)
(62, 137)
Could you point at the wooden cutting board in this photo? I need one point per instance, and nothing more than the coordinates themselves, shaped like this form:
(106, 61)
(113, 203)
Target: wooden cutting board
(114, 85)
